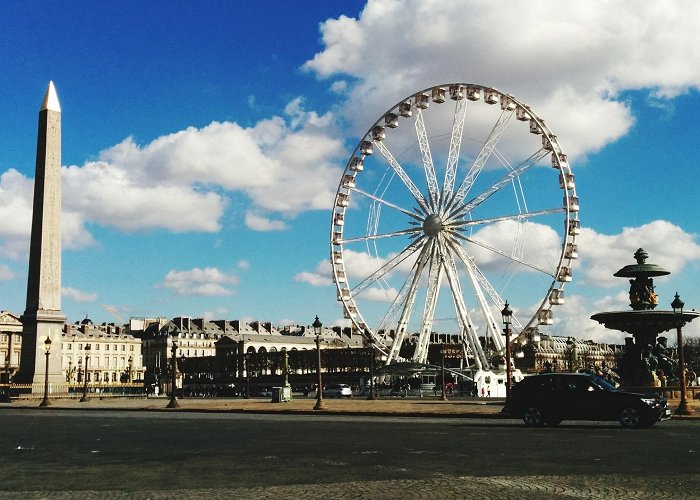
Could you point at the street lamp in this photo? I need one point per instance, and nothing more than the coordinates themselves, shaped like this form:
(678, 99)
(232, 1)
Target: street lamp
(47, 349)
(85, 372)
(443, 396)
(285, 358)
(370, 340)
(246, 361)
(570, 353)
(173, 364)
(683, 407)
(320, 405)
(131, 367)
(507, 314)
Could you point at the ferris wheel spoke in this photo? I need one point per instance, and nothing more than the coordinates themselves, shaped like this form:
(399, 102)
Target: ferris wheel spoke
(507, 256)
(455, 145)
(388, 266)
(496, 133)
(472, 272)
(420, 199)
(486, 286)
(505, 180)
(427, 158)
(519, 217)
(387, 203)
(464, 320)
(407, 305)
(370, 237)
(435, 274)
(398, 304)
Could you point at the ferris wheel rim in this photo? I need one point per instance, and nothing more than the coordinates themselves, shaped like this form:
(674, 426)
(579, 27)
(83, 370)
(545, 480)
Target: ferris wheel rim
(429, 210)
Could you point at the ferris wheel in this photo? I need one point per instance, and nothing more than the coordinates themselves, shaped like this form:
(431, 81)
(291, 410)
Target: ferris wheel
(458, 197)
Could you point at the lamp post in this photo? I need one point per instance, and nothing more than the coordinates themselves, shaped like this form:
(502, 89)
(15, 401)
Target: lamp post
(372, 394)
(507, 314)
(7, 358)
(570, 353)
(246, 362)
(47, 349)
(443, 396)
(85, 373)
(683, 407)
(173, 380)
(320, 405)
(131, 366)
(285, 358)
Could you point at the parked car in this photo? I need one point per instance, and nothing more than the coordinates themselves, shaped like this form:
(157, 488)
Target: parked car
(337, 391)
(553, 397)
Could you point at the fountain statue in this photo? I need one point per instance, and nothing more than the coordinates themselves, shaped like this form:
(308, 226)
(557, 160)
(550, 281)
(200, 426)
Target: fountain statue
(647, 360)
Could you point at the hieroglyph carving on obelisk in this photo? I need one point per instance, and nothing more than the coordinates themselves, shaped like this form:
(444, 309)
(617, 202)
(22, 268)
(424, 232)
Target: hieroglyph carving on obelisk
(43, 317)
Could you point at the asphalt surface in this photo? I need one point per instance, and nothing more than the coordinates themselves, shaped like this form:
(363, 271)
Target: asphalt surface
(357, 449)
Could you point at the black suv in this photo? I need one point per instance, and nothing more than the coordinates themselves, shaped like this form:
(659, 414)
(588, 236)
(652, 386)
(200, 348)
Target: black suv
(552, 397)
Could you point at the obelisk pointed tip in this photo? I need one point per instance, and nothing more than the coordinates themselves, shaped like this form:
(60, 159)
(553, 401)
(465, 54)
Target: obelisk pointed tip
(51, 99)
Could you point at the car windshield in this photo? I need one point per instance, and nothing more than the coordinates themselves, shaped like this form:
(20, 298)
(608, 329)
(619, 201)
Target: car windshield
(602, 383)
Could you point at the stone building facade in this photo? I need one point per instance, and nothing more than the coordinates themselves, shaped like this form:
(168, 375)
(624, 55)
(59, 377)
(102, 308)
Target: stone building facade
(113, 357)
(10, 345)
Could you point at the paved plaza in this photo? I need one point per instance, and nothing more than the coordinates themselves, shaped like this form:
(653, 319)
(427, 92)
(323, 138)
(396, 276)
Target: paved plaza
(389, 448)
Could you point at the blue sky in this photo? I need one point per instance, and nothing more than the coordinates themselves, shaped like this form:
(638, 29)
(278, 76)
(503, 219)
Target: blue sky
(202, 146)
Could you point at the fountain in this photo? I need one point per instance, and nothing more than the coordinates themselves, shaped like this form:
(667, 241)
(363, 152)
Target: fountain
(646, 358)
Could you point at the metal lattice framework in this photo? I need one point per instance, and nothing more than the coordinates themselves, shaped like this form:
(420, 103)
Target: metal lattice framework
(431, 225)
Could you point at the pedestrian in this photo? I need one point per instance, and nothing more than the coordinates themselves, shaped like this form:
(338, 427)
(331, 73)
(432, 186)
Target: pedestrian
(483, 392)
(488, 394)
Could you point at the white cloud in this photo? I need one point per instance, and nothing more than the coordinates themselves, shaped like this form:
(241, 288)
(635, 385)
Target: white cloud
(6, 273)
(258, 222)
(16, 192)
(198, 281)
(77, 295)
(542, 245)
(181, 181)
(378, 294)
(602, 255)
(314, 279)
(574, 318)
(218, 313)
(244, 265)
(568, 60)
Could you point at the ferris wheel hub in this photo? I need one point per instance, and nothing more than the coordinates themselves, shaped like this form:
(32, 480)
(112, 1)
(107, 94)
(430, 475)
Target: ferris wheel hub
(432, 225)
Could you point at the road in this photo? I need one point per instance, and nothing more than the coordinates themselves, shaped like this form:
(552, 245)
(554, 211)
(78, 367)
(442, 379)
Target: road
(140, 454)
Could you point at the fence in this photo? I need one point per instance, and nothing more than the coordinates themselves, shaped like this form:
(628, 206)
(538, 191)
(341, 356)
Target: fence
(71, 390)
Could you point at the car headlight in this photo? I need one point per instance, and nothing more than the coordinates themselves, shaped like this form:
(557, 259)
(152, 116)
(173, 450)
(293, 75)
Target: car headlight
(649, 401)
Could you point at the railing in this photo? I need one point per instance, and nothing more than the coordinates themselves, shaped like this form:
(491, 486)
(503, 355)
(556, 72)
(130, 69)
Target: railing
(70, 390)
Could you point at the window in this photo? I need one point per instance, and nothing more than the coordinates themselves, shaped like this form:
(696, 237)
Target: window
(97, 347)
(123, 347)
(106, 347)
(131, 347)
(70, 346)
(80, 346)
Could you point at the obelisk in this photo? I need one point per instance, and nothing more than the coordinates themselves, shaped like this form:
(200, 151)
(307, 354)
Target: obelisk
(42, 317)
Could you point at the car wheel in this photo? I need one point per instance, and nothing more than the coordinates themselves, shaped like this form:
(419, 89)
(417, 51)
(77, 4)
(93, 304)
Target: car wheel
(630, 417)
(533, 417)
